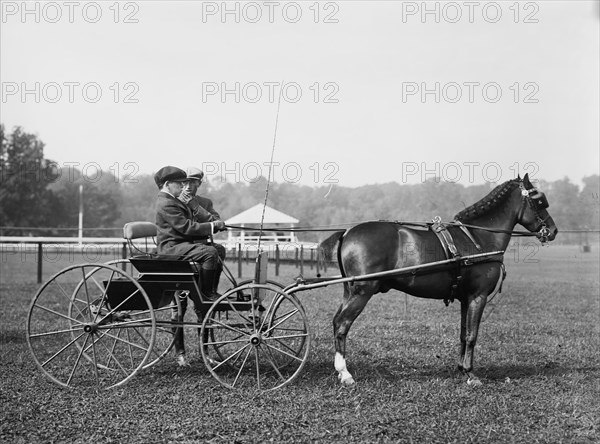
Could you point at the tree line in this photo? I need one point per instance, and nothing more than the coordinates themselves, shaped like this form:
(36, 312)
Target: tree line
(39, 198)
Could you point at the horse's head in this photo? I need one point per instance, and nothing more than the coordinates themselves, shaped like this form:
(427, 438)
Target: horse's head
(533, 213)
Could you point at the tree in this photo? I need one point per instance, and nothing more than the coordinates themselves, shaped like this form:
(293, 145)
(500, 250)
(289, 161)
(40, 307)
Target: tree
(590, 201)
(565, 206)
(102, 201)
(25, 174)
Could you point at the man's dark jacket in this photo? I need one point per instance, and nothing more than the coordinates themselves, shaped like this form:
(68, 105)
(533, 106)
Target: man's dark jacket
(177, 229)
(202, 209)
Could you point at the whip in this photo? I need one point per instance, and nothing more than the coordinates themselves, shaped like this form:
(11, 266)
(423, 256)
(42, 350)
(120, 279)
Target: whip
(262, 218)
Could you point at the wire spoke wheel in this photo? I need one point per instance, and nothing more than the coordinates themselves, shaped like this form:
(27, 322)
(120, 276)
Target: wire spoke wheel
(91, 325)
(165, 334)
(261, 344)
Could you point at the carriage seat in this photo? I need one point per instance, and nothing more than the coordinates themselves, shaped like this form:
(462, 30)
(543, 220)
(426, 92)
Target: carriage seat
(138, 230)
(146, 260)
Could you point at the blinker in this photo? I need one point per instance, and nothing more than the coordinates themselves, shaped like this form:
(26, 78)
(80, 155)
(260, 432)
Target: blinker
(540, 201)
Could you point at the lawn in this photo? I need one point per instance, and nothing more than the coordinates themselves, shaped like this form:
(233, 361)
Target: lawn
(538, 356)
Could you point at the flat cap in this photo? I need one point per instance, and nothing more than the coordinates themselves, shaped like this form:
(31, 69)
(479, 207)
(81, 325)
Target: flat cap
(169, 174)
(194, 173)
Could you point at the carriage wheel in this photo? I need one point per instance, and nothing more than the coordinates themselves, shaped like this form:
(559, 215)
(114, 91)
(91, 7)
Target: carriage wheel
(165, 334)
(77, 338)
(241, 295)
(263, 343)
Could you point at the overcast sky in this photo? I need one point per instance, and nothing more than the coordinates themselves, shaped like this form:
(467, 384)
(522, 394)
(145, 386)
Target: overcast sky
(374, 91)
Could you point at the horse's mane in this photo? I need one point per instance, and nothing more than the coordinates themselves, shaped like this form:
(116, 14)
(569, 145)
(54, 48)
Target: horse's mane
(489, 202)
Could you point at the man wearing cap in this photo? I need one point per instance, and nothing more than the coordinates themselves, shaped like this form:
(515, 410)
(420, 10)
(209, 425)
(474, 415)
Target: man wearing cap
(178, 229)
(202, 209)
(177, 232)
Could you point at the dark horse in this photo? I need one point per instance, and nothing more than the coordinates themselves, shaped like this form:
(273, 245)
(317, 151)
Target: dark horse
(487, 226)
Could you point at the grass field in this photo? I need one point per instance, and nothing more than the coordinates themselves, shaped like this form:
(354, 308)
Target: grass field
(538, 357)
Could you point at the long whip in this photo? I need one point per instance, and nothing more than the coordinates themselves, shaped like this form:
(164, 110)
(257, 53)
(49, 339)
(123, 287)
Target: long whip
(262, 219)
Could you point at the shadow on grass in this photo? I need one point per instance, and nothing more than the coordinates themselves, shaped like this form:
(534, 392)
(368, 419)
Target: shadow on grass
(12, 337)
(501, 372)
(392, 371)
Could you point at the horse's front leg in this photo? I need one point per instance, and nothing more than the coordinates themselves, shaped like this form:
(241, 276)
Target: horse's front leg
(474, 311)
(353, 304)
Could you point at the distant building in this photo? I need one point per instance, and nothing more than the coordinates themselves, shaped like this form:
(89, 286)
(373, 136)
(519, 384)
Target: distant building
(250, 219)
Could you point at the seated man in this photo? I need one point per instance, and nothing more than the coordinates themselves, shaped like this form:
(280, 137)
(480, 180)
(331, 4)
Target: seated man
(202, 211)
(177, 231)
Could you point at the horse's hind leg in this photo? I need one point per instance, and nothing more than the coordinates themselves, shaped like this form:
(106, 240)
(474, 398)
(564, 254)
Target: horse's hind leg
(464, 305)
(355, 299)
(474, 311)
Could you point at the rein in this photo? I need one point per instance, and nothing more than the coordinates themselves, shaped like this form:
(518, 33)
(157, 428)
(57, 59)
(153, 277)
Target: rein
(541, 231)
(419, 224)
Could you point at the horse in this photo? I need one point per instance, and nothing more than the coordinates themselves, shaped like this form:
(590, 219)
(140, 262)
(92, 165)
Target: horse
(484, 227)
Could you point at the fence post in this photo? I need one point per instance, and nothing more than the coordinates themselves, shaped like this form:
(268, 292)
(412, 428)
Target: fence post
(318, 265)
(277, 260)
(311, 259)
(39, 263)
(296, 257)
(239, 255)
(302, 259)
(124, 256)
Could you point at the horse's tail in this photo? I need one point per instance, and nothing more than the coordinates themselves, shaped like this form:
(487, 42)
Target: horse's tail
(328, 246)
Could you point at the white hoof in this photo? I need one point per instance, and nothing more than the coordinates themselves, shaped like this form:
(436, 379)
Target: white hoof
(474, 381)
(348, 380)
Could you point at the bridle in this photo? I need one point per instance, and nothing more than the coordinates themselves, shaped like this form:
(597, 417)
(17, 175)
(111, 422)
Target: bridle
(537, 202)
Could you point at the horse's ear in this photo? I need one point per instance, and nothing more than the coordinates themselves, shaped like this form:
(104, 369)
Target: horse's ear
(518, 177)
(526, 179)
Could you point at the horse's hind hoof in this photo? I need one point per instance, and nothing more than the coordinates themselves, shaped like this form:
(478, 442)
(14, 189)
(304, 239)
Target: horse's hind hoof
(474, 381)
(347, 380)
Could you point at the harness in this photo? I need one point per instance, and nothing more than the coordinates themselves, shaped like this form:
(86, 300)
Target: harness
(451, 252)
(533, 198)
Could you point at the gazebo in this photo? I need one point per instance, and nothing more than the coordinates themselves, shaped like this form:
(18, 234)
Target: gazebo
(251, 218)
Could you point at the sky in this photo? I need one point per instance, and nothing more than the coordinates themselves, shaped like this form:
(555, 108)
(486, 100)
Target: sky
(373, 92)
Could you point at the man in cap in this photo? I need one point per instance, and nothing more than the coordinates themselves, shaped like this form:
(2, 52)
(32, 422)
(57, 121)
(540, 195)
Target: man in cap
(177, 231)
(202, 211)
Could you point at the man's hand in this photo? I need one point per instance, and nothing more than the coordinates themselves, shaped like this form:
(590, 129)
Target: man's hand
(185, 197)
(219, 225)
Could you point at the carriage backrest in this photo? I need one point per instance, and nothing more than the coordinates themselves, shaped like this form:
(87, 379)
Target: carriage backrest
(140, 230)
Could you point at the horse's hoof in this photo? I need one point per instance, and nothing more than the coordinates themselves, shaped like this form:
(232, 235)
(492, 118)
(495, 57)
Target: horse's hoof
(347, 381)
(474, 381)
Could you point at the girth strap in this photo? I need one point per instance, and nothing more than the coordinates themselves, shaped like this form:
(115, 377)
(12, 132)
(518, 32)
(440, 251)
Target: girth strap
(451, 252)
